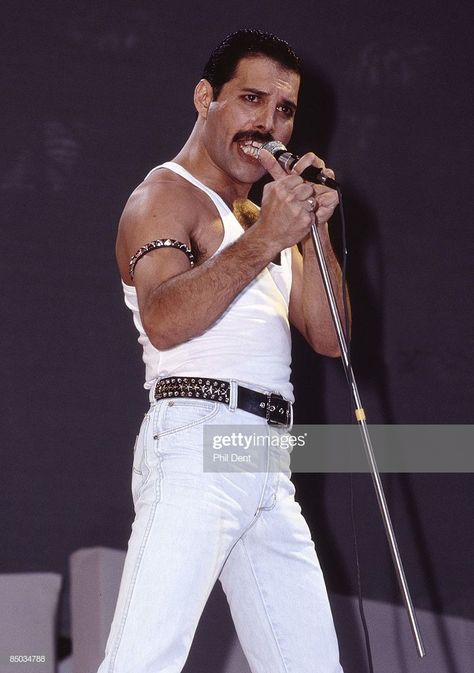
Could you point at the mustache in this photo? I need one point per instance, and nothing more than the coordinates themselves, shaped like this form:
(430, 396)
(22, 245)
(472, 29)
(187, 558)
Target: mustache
(253, 135)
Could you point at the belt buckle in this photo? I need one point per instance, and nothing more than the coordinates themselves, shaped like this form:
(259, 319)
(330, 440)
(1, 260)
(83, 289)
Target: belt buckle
(275, 415)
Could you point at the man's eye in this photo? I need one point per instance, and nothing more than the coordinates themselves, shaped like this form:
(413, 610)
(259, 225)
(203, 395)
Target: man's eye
(251, 97)
(287, 111)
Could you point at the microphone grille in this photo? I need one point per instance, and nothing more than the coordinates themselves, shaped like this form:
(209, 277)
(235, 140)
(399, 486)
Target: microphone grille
(274, 146)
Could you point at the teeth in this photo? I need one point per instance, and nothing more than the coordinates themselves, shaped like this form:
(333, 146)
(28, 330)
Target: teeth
(251, 148)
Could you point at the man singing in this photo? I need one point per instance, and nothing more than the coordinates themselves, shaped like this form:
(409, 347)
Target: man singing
(213, 283)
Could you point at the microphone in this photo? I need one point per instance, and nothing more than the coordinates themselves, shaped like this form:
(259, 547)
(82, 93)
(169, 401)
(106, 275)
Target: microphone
(287, 160)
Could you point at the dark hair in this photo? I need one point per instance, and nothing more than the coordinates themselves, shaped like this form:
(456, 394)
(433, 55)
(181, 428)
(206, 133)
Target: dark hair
(223, 61)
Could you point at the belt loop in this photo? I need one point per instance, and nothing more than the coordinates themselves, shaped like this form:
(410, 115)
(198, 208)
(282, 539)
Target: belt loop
(152, 391)
(233, 395)
(290, 422)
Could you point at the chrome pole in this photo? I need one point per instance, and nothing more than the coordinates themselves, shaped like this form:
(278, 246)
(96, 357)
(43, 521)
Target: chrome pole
(361, 420)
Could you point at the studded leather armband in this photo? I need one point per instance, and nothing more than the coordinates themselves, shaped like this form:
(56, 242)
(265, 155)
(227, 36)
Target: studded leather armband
(154, 245)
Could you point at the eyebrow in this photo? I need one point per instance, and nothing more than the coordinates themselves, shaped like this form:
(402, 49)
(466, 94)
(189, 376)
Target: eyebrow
(285, 101)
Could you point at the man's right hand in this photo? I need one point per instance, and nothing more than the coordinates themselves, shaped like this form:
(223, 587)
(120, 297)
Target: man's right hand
(287, 211)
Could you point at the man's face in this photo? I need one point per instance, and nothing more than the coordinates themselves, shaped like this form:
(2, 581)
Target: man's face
(257, 105)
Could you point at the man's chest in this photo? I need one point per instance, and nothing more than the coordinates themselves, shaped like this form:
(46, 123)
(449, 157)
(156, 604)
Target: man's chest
(209, 234)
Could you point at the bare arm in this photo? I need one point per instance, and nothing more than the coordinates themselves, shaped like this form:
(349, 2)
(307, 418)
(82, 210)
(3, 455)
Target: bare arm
(309, 309)
(191, 300)
(178, 303)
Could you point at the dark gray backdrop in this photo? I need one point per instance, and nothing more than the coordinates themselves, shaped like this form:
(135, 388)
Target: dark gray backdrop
(93, 97)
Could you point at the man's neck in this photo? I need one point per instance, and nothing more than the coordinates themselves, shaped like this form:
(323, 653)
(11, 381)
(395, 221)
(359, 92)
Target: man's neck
(194, 158)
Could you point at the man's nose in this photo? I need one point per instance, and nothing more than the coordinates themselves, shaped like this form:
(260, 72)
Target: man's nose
(265, 119)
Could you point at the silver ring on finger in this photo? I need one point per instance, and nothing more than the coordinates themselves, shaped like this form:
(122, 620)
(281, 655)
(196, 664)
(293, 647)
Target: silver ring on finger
(312, 203)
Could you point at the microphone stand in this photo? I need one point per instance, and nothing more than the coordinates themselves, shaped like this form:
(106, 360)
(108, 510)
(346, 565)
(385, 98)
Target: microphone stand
(361, 420)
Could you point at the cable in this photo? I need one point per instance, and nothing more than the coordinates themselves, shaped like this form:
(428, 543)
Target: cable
(359, 583)
(345, 309)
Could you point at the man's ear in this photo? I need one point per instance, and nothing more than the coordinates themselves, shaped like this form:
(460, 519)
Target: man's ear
(203, 96)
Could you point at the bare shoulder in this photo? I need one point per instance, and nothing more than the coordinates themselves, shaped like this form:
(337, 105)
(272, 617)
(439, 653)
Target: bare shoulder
(164, 205)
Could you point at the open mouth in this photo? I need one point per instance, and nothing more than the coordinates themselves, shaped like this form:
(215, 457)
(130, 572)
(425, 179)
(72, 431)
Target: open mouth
(250, 148)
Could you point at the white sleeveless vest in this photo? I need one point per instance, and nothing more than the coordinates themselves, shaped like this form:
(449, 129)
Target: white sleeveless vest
(250, 342)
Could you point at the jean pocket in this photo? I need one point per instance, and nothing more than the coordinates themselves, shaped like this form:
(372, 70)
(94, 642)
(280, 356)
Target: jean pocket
(184, 415)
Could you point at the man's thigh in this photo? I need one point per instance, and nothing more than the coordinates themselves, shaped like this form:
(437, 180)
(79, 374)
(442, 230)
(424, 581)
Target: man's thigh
(186, 522)
(277, 594)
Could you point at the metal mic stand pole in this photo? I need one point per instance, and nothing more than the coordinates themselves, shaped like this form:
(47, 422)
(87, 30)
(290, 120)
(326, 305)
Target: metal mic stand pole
(360, 417)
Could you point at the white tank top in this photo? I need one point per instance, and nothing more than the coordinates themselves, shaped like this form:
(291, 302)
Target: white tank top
(250, 342)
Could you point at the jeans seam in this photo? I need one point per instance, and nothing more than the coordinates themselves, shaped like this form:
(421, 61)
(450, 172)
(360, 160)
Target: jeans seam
(262, 508)
(268, 508)
(252, 569)
(133, 580)
(240, 535)
(145, 474)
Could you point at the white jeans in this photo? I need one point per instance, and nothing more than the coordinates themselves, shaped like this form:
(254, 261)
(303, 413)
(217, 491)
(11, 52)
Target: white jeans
(193, 527)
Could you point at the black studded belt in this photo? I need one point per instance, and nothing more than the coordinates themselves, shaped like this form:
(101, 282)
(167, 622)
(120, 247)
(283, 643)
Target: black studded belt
(271, 406)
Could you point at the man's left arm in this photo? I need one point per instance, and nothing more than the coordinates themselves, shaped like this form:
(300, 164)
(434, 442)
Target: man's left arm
(309, 310)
